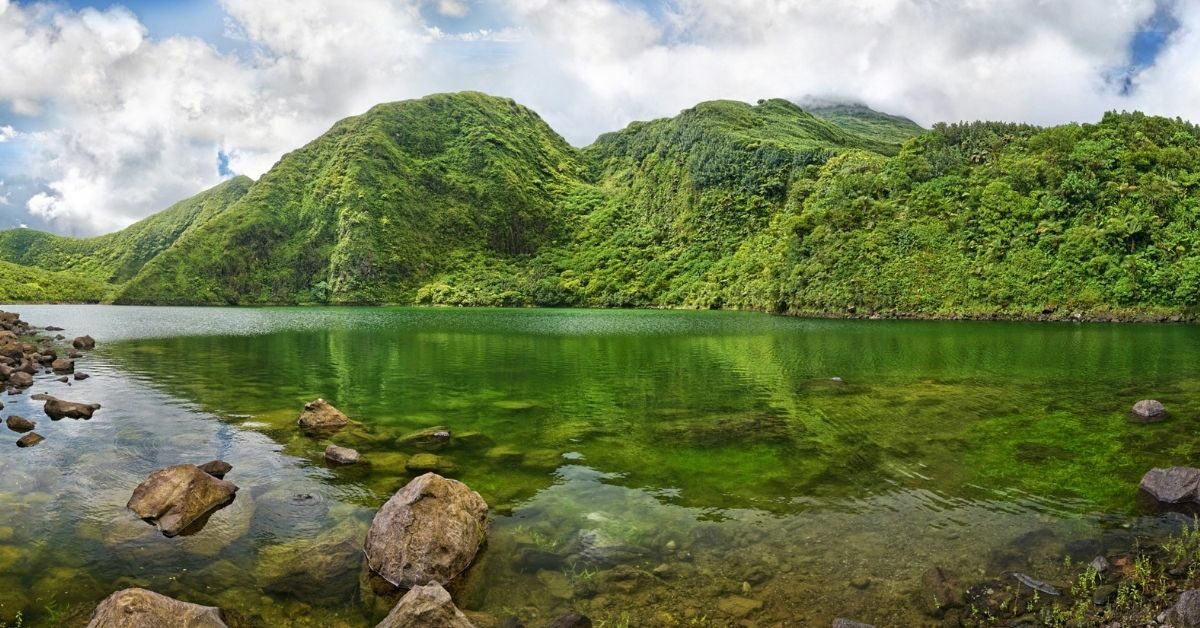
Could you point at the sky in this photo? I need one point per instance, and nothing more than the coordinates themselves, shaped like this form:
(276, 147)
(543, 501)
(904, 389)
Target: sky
(113, 110)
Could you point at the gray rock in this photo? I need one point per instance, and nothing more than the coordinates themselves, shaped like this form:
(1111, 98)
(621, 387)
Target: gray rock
(428, 438)
(84, 343)
(1173, 485)
(1186, 611)
(1148, 409)
(80, 376)
(1100, 564)
(849, 623)
(429, 531)
(174, 497)
(341, 455)
(426, 606)
(139, 608)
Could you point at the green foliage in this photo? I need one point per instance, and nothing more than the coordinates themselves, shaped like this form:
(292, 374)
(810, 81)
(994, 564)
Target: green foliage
(23, 284)
(467, 199)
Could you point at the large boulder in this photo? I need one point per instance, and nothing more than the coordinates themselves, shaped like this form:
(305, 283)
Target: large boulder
(20, 379)
(139, 608)
(320, 415)
(341, 455)
(175, 497)
(323, 569)
(58, 409)
(62, 365)
(84, 343)
(429, 531)
(427, 606)
(1174, 485)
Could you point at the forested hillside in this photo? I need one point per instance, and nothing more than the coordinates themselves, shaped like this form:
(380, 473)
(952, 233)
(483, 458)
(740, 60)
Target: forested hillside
(468, 199)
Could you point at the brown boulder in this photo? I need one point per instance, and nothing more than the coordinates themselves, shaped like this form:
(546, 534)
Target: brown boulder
(174, 497)
(216, 468)
(429, 531)
(56, 409)
(20, 424)
(30, 439)
(139, 608)
(63, 365)
(427, 606)
(20, 379)
(321, 415)
(84, 343)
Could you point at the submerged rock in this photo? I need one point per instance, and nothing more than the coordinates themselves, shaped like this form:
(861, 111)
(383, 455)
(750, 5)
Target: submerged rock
(174, 497)
(57, 409)
(323, 569)
(572, 620)
(940, 591)
(1174, 485)
(737, 606)
(84, 343)
(216, 468)
(429, 531)
(849, 623)
(428, 438)
(426, 462)
(320, 415)
(427, 606)
(341, 455)
(19, 424)
(139, 608)
(30, 439)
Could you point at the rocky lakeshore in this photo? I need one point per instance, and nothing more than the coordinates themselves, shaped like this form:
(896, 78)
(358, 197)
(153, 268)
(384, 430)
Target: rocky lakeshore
(350, 565)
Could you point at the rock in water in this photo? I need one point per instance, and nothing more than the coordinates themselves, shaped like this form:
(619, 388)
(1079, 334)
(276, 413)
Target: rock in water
(63, 365)
(80, 376)
(341, 455)
(30, 439)
(429, 531)
(426, 606)
(1174, 485)
(216, 468)
(1148, 410)
(321, 415)
(84, 343)
(940, 590)
(57, 409)
(20, 424)
(1034, 583)
(429, 438)
(572, 620)
(139, 608)
(174, 497)
(1186, 612)
(20, 379)
(323, 570)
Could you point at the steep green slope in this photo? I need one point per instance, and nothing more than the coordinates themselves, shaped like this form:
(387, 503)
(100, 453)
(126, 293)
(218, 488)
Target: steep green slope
(991, 219)
(863, 120)
(670, 198)
(377, 206)
(23, 284)
(117, 257)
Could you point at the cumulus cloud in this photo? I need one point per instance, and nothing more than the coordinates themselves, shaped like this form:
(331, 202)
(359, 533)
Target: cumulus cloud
(131, 123)
(7, 134)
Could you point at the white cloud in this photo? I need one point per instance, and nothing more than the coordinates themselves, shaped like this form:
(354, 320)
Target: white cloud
(3, 195)
(452, 8)
(132, 123)
(7, 134)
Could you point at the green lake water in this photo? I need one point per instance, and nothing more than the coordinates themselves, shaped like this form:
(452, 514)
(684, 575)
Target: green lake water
(815, 467)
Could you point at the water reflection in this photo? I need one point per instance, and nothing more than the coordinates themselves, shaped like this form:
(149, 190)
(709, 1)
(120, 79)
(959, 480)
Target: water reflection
(668, 466)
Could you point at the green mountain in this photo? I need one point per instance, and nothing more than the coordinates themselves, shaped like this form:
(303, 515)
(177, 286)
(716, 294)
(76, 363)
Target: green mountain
(118, 257)
(467, 199)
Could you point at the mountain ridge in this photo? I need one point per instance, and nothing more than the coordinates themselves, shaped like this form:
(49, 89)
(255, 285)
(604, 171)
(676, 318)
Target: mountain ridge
(470, 199)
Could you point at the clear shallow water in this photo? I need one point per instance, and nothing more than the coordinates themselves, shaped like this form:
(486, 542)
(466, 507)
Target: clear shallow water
(715, 444)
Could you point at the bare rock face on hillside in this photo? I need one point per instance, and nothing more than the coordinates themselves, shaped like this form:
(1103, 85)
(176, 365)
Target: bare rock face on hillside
(139, 608)
(320, 416)
(429, 531)
(426, 606)
(174, 497)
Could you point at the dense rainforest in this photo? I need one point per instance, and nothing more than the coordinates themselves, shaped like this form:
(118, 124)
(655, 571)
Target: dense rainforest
(468, 199)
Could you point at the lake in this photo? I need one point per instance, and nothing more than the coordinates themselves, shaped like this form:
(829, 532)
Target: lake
(642, 467)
